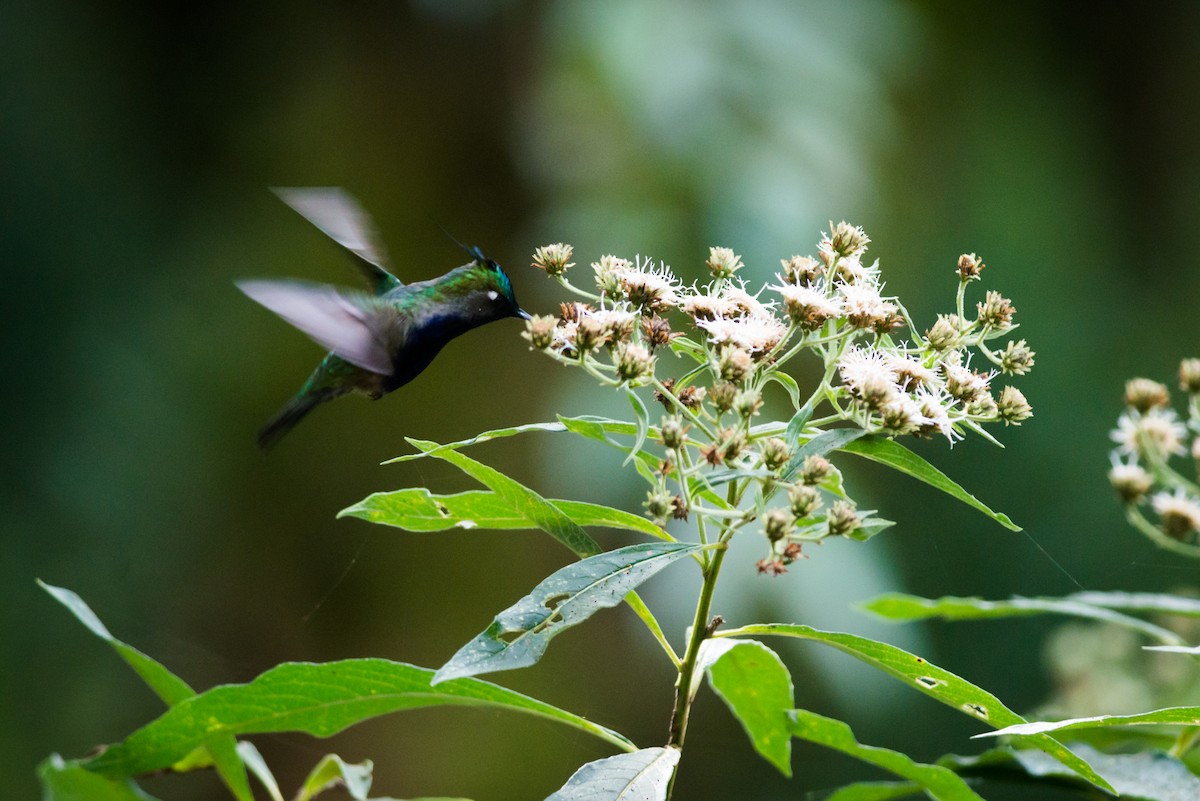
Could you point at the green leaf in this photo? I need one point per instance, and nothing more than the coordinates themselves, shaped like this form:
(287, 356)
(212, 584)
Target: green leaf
(756, 686)
(70, 781)
(643, 775)
(255, 763)
(524, 501)
(643, 423)
(221, 752)
(874, 791)
(1151, 602)
(417, 509)
(795, 426)
(165, 684)
(497, 433)
(788, 383)
(869, 527)
(318, 699)
(332, 771)
(930, 679)
(941, 783)
(820, 445)
(519, 635)
(1149, 775)
(900, 606)
(1171, 716)
(894, 455)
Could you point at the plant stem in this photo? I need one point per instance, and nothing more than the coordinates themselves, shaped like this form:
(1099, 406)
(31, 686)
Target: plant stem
(700, 632)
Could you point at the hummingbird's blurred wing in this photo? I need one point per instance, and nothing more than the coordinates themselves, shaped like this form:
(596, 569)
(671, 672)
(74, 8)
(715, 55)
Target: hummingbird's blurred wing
(356, 328)
(338, 215)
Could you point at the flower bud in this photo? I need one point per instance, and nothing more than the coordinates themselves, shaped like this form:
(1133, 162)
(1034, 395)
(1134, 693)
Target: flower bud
(775, 453)
(846, 239)
(608, 276)
(590, 333)
(723, 262)
(1189, 376)
(721, 396)
(815, 469)
(539, 330)
(969, 267)
(801, 270)
(673, 433)
(632, 360)
(804, 500)
(1017, 358)
(777, 524)
(691, 397)
(1143, 394)
(658, 506)
(748, 402)
(945, 333)
(1013, 407)
(554, 259)
(732, 441)
(842, 519)
(734, 363)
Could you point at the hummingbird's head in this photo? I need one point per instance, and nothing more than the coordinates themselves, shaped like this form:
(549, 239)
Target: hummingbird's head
(496, 297)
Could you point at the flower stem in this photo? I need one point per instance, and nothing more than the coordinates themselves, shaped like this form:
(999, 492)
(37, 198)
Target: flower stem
(700, 632)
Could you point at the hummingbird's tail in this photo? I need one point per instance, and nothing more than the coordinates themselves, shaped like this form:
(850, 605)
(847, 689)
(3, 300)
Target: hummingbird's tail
(293, 412)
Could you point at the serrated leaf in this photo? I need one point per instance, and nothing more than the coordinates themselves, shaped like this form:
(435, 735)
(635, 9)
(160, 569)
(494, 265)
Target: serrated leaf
(643, 775)
(930, 679)
(333, 771)
(1170, 716)
(901, 606)
(486, 436)
(756, 686)
(417, 509)
(519, 635)
(317, 699)
(524, 501)
(70, 781)
(941, 783)
(221, 753)
(896, 456)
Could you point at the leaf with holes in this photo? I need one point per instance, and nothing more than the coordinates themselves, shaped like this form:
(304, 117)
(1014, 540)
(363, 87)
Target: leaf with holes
(417, 509)
(939, 782)
(940, 684)
(641, 776)
(317, 699)
(519, 635)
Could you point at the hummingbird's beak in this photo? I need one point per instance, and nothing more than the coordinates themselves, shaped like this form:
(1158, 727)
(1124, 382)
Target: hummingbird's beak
(524, 315)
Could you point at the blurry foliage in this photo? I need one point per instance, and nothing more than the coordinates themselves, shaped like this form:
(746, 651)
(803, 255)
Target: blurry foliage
(138, 143)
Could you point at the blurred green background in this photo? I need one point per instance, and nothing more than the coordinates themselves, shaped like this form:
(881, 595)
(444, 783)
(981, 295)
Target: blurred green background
(136, 144)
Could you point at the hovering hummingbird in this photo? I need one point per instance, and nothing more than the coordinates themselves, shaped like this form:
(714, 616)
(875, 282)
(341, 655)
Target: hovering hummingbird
(380, 340)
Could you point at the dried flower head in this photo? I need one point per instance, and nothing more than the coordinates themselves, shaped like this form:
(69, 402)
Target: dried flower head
(554, 259)
(770, 567)
(969, 267)
(657, 331)
(691, 397)
(1143, 394)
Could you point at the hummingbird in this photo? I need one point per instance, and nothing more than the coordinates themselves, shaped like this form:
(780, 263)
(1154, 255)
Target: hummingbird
(378, 340)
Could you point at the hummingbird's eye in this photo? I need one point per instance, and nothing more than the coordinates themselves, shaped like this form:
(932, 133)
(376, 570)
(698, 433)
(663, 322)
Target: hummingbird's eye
(493, 294)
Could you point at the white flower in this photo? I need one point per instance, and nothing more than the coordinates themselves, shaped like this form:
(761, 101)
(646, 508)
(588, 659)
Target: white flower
(808, 306)
(1158, 430)
(851, 270)
(754, 333)
(864, 305)
(867, 375)
(646, 285)
(1178, 513)
(964, 384)
(745, 302)
(903, 415)
(933, 406)
(910, 372)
